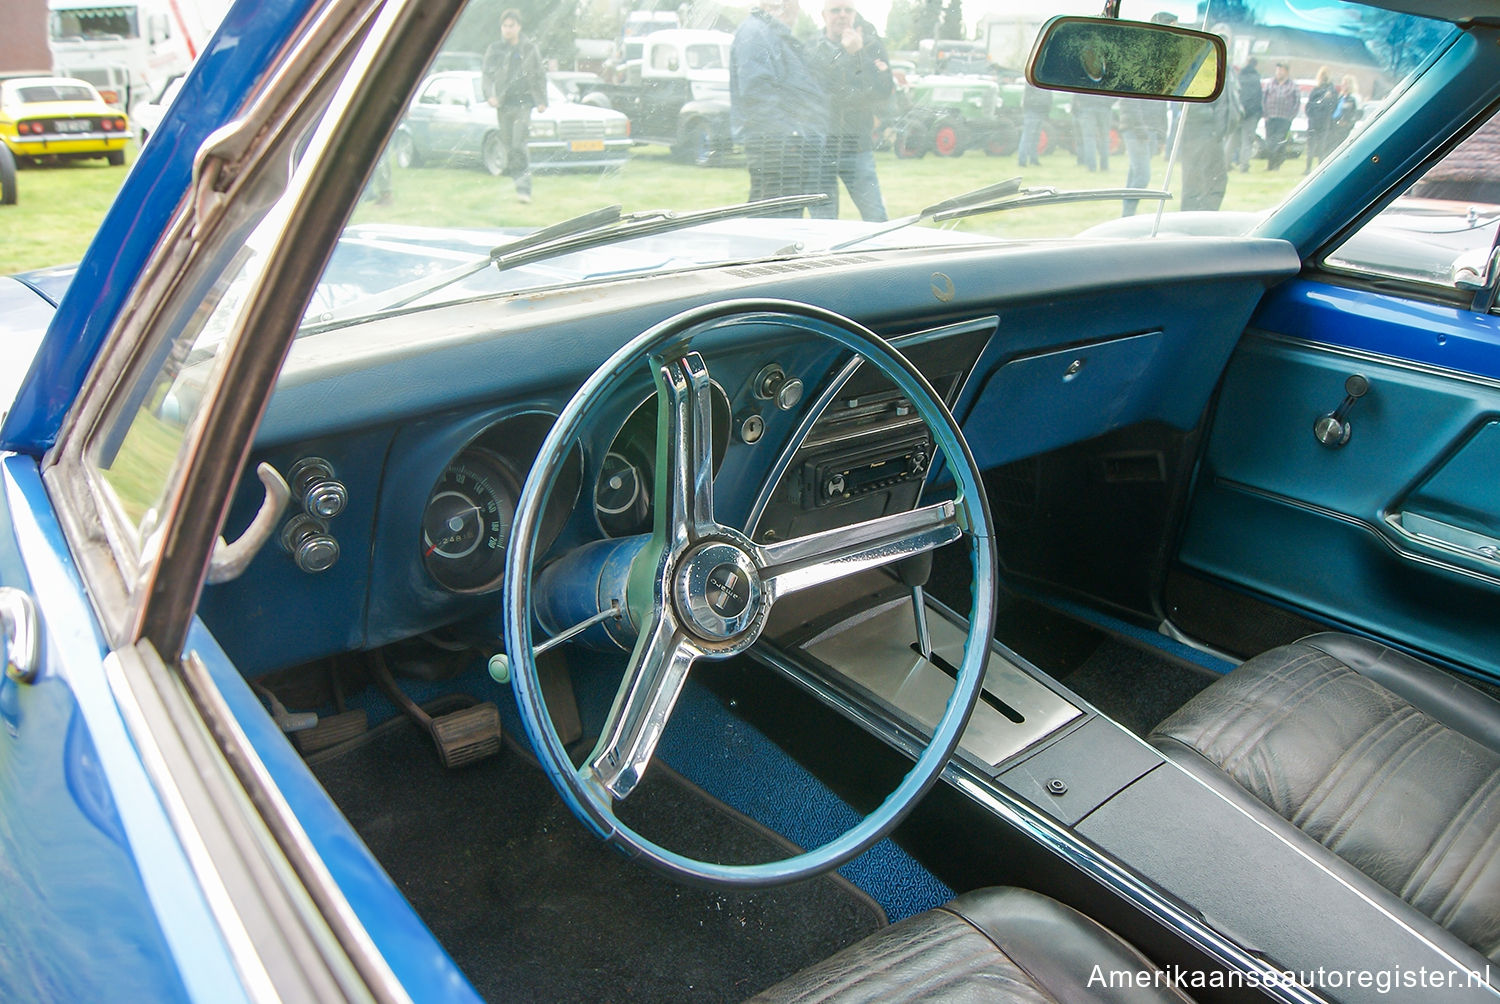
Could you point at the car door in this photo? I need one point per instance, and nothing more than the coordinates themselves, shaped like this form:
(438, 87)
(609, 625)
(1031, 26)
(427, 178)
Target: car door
(1350, 475)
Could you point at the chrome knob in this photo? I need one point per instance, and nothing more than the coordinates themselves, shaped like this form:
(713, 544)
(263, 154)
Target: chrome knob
(322, 496)
(311, 546)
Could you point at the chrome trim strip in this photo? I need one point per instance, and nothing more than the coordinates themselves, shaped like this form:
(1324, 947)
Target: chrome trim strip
(247, 961)
(1364, 355)
(1357, 523)
(246, 764)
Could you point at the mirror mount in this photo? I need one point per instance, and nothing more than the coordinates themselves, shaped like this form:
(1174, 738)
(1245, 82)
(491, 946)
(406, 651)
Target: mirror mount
(1128, 59)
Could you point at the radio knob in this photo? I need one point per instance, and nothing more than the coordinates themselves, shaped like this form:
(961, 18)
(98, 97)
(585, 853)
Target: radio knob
(834, 486)
(919, 461)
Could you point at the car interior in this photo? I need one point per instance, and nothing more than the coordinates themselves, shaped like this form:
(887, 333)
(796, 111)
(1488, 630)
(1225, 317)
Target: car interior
(1200, 532)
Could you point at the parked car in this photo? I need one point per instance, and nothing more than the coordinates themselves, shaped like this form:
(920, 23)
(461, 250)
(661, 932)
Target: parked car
(59, 118)
(450, 120)
(147, 115)
(641, 595)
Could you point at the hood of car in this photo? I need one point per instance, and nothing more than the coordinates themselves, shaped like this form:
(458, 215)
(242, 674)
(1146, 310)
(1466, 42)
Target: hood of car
(27, 303)
(371, 260)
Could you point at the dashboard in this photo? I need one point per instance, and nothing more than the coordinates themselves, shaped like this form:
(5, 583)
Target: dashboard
(428, 422)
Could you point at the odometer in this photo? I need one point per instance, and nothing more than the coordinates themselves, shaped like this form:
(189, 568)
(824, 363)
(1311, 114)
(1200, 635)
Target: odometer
(466, 524)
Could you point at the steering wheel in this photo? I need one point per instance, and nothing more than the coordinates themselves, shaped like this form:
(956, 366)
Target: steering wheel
(697, 589)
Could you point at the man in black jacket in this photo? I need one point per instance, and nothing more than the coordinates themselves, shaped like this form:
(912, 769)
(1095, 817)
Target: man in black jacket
(852, 60)
(1247, 86)
(514, 83)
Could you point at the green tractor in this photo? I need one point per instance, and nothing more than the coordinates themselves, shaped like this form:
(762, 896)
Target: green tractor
(949, 115)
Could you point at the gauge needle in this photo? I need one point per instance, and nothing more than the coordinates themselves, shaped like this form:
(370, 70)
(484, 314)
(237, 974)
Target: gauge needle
(456, 524)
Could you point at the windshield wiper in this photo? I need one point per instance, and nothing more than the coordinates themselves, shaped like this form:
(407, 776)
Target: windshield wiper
(1002, 196)
(408, 292)
(592, 229)
(1051, 197)
(1009, 186)
(644, 224)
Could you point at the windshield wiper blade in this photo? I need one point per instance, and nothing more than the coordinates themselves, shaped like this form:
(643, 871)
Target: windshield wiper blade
(644, 224)
(1051, 197)
(409, 292)
(999, 189)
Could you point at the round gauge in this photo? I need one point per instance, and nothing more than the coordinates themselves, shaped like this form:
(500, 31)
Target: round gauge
(627, 474)
(467, 521)
(619, 485)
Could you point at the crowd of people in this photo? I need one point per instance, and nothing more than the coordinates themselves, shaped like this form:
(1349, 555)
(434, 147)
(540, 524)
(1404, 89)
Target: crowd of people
(804, 113)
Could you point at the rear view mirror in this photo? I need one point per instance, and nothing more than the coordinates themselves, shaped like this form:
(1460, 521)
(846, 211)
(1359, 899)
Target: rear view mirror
(1129, 59)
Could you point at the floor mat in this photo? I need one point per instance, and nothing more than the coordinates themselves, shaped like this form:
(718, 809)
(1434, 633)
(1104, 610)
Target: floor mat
(1134, 686)
(533, 907)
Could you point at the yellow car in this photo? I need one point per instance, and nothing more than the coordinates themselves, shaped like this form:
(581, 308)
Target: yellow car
(60, 118)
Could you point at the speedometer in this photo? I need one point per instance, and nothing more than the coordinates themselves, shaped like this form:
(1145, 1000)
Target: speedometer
(466, 523)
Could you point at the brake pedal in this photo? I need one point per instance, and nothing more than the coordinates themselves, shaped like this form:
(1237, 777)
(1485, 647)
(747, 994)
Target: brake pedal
(462, 737)
(468, 735)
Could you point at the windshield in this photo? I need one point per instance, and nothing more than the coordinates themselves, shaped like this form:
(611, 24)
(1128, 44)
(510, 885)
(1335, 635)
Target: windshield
(550, 120)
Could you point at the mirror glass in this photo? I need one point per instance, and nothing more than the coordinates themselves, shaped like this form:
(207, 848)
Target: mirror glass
(1127, 59)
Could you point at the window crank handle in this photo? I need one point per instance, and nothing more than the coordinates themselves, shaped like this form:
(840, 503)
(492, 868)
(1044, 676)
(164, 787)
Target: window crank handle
(1332, 430)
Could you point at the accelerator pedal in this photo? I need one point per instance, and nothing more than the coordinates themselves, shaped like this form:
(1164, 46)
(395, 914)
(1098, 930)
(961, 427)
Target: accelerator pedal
(462, 737)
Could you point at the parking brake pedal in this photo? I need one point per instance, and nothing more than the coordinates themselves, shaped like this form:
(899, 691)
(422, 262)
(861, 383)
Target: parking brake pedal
(462, 737)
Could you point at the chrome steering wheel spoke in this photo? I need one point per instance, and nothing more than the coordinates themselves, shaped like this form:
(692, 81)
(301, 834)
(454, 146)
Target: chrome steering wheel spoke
(658, 669)
(685, 472)
(832, 554)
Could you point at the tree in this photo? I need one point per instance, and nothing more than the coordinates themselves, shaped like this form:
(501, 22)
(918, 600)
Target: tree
(931, 18)
(953, 21)
(901, 24)
(1399, 41)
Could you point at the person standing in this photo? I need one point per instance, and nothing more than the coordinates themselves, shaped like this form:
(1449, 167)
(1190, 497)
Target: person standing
(778, 107)
(1143, 124)
(857, 75)
(1091, 113)
(514, 83)
(1345, 110)
(1036, 109)
(1281, 100)
(1320, 104)
(1205, 169)
(1250, 105)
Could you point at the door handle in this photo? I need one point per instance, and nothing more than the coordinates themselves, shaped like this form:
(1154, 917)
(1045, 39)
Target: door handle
(20, 635)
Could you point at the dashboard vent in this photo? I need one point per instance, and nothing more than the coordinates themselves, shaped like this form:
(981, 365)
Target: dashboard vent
(799, 265)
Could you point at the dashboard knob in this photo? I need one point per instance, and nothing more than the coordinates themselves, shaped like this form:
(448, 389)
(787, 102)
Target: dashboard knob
(313, 483)
(789, 394)
(311, 546)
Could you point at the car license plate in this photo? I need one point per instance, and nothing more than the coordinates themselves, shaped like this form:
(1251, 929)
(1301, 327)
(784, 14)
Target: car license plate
(586, 145)
(72, 125)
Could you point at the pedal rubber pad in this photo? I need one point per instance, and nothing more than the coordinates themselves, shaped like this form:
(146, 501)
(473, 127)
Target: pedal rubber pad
(468, 735)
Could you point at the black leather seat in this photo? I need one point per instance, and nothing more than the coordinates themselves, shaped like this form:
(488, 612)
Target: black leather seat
(995, 946)
(1389, 763)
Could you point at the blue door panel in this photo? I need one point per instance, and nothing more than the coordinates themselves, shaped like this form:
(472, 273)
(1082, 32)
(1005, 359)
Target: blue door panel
(1396, 533)
(100, 903)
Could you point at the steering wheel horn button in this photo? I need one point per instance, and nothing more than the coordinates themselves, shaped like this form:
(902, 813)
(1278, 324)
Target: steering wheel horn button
(718, 591)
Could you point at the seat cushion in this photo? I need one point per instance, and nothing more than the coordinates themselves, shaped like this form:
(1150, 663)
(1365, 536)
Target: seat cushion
(1389, 763)
(995, 946)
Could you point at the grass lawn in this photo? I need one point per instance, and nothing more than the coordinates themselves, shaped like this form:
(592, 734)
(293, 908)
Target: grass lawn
(58, 211)
(61, 207)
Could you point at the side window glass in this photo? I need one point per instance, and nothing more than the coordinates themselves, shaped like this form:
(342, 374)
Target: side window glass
(1442, 230)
